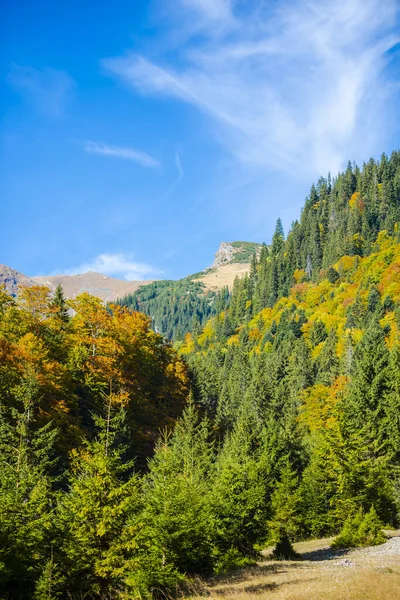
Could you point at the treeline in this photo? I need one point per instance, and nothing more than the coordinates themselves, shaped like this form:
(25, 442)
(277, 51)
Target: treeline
(176, 307)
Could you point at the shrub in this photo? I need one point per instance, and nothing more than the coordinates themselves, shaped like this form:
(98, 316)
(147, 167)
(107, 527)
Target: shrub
(360, 530)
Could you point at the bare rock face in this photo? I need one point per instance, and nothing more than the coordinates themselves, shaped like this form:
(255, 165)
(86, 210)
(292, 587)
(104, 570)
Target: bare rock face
(13, 280)
(224, 255)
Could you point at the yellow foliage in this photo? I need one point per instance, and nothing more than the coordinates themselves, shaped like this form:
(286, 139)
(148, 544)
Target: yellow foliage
(233, 340)
(298, 275)
(317, 350)
(356, 202)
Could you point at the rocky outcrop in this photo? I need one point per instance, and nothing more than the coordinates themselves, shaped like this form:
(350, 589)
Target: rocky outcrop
(13, 280)
(224, 255)
(235, 252)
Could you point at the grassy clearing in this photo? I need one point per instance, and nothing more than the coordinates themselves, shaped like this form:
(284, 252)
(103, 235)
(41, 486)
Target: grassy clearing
(323, 574)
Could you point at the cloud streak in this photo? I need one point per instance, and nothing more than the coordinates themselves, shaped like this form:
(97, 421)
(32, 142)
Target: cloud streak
(295, 88)
(115, 265)
(49, 90)
(121, 152)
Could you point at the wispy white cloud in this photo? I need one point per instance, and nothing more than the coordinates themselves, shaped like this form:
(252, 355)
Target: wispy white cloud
(219, 10)
(49, 90)
(179, 168)
(115, 265)
(297, 88)
(120, 152)
(178, 178)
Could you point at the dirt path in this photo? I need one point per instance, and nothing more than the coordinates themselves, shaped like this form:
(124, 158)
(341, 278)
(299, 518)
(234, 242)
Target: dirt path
(322, 574)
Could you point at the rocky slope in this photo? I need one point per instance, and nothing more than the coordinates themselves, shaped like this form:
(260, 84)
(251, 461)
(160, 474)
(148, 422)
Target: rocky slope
(12, 280)
(235, 252)
(106, 288)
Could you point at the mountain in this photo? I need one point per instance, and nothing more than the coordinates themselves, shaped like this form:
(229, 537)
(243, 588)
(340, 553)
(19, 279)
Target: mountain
(235, 253)
(106, 288)
(182, 306)
(12, 280)
(232, 260)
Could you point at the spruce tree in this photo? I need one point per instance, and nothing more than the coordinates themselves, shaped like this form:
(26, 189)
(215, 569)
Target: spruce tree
(366, 429)
(239, 487)
(26, 502)
(175, 528)
(93, 514)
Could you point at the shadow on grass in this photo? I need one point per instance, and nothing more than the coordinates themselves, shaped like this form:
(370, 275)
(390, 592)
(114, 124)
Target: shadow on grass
(264, 568)
(324, 554)
(258, 588)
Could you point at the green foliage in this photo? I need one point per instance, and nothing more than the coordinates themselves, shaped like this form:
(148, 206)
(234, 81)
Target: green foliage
(360, 530)
(232, 560)
(26, 503)
(285, 502)
(244, 251)
(239, 488)
(177, 307)
(92, 516)
(332, 275)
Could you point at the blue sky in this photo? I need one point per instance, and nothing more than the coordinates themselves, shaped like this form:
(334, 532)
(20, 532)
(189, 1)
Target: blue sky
(136, 135)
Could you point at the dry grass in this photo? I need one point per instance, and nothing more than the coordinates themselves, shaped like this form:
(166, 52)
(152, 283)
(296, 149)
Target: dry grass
(216, 279)
(323, 574)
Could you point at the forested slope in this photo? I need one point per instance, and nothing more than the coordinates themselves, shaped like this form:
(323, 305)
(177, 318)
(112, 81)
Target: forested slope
(176, 307)
(291, 429)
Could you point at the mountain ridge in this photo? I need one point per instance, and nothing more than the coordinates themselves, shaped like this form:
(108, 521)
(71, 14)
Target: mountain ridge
(229, 263)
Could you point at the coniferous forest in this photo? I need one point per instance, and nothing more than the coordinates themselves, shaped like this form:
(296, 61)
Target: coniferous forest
(130, 466)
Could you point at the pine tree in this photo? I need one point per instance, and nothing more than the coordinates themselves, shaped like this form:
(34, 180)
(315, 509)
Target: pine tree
(93, 514)
(26, 501)
(366, 429)
(285, 505)
(278, 239)
(59, 305)
(175, 527)
(239, 488)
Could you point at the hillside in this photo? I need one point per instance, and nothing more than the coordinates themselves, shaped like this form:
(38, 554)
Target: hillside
(106, 288)
(231, 261)
(235, 253)
(182, 306)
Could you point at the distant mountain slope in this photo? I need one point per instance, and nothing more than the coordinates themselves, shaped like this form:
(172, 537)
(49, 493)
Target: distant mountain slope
(106, 288)
(182, 306)
(13, 279)
(175, 306)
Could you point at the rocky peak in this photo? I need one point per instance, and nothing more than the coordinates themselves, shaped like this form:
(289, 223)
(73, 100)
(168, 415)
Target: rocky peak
(223, 255)
(235, 252)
